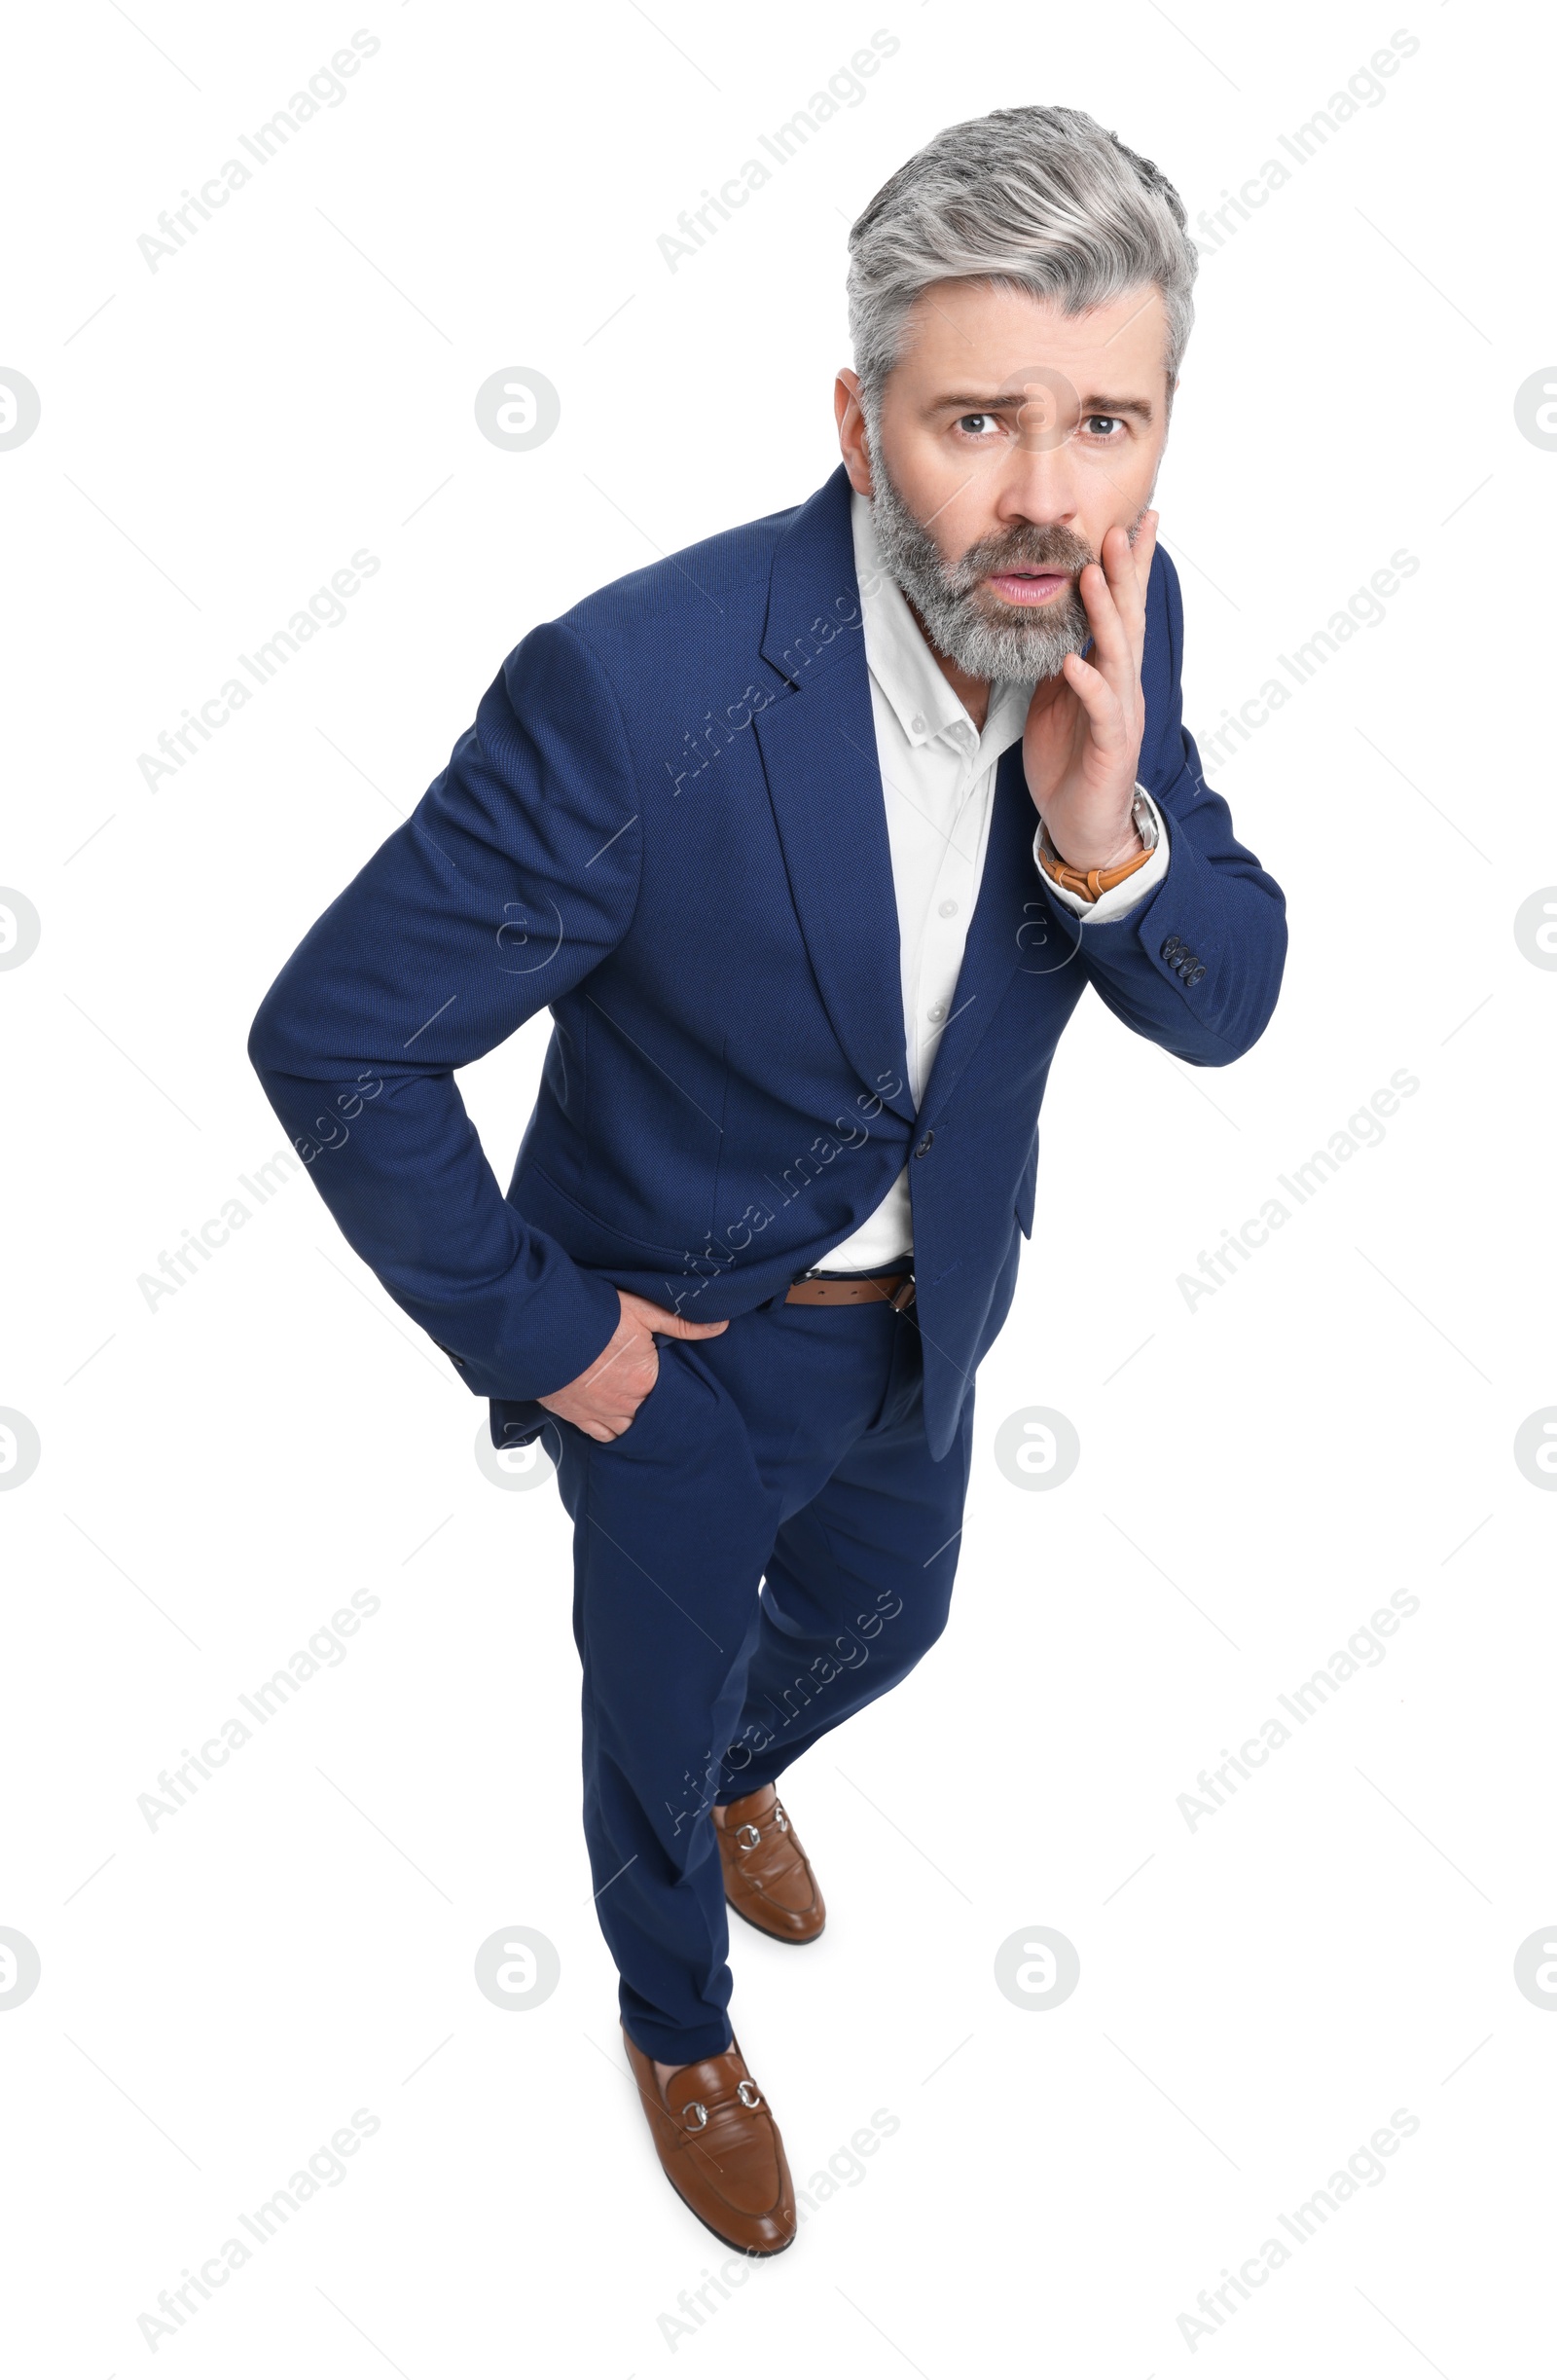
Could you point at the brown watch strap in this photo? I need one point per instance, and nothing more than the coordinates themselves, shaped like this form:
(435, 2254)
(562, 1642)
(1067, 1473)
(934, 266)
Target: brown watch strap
(1095, 880)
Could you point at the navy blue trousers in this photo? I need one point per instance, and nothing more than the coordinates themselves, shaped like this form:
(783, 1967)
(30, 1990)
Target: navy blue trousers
(766, 1548)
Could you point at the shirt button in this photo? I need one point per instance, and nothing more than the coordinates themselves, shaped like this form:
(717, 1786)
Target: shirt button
(916, 725)
(936, 1013)
(948, 908)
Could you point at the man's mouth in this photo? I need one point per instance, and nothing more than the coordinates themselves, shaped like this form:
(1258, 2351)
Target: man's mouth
(1027, 587)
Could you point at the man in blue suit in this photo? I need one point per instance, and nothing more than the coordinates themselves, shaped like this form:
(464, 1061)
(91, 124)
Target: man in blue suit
(809, 838)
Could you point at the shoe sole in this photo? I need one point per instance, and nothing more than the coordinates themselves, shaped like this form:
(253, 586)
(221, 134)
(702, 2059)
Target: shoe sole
(796, 1942)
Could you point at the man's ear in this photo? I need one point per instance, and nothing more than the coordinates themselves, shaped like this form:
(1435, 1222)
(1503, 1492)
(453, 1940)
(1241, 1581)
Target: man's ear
(852, 439)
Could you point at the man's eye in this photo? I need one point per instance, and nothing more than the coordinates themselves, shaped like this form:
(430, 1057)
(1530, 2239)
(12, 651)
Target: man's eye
(1102, 426)
(978, 424)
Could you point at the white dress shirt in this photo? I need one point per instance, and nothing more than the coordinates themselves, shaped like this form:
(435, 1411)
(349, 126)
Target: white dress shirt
(939, 780)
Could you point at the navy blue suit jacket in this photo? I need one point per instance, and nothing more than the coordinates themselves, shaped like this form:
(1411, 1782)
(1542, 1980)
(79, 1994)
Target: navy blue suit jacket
(666, 826)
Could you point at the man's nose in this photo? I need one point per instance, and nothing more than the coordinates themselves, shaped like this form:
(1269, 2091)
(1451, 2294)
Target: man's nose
(1038, 482)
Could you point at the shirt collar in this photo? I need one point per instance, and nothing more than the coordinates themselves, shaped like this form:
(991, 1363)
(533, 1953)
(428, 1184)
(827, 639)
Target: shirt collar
(915, 686)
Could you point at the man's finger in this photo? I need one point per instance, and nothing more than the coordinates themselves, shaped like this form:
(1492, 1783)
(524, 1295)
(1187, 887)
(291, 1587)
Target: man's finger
(1144, 547)
(1112, 649)
(1127, 568)
(1125, 584)
(675, 1326)
(1140, 558)
(1098, 701)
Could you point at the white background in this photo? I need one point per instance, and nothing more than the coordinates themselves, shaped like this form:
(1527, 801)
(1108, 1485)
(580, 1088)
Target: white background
(1259, 1993)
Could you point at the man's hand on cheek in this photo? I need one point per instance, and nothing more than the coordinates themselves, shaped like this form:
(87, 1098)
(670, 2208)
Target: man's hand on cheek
(1082, 745)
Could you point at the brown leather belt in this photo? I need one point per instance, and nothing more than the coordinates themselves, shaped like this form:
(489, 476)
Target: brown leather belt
(895, 1288)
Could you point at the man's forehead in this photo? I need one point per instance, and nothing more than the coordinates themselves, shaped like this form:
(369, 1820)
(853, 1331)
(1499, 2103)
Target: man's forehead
(981, 340)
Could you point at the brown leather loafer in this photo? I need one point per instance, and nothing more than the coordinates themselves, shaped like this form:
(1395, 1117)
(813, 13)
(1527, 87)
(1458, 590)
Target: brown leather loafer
(720, 2149)
(767, 1876)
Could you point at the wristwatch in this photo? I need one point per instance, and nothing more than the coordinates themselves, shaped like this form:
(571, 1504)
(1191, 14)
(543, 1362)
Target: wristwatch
(1094, 880)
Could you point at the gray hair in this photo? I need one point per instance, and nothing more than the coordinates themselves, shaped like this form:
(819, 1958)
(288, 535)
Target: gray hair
(1039, 199)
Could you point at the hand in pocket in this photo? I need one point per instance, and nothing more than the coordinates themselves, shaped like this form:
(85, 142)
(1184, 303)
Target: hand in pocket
(604, 1400)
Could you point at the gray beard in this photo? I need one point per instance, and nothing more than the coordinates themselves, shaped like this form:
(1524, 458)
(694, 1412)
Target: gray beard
(962, 619)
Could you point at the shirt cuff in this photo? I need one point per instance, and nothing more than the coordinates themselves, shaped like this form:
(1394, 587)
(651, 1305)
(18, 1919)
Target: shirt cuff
(1123, 898)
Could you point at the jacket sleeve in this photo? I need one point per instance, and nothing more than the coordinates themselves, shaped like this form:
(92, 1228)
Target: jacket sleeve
(515, 875)
(1197, 967)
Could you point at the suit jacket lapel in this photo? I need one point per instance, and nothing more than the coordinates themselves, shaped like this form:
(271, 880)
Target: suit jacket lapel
(817, 741)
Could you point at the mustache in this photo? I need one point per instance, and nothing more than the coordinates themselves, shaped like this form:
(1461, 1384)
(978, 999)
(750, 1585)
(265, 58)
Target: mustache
(1027, 548)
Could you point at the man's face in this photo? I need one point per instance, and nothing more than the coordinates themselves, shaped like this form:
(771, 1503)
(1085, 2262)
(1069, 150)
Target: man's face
(1010, 437)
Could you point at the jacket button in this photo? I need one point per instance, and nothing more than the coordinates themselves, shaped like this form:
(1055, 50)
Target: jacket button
(1171, 944)
(1195, 974)
(924, 1146)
